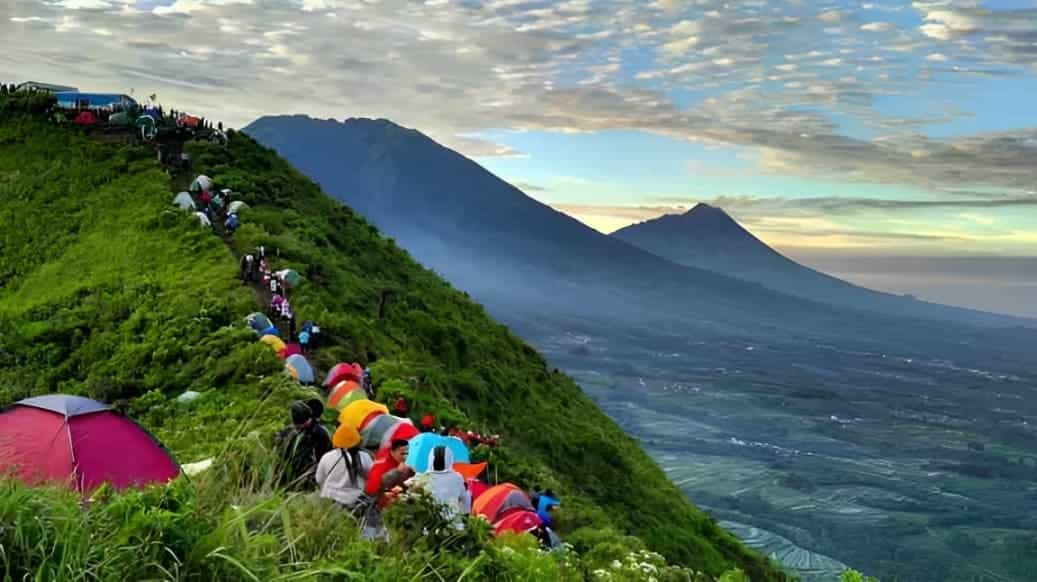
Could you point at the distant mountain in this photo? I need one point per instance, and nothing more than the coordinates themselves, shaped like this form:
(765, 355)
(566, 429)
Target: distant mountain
(487, 237)
(706, 237)
(514, 253)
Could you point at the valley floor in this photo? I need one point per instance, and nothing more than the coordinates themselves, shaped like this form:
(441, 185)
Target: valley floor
(907, 466)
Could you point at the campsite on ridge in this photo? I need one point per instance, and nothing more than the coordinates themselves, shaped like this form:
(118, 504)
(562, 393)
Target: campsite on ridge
(133, 302)
(806, 423)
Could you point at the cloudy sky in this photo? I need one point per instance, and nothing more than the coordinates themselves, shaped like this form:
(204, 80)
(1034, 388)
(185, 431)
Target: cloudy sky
(831, 129)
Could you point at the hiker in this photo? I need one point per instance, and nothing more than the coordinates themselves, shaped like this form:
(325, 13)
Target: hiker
(248, 268)
(446, 486)
(304, 443)
(400, 407)
(427, 423)
(303, 339)
(275, 286)
(342, 471)
(365, 381)
(545, 503)
(391, 471)
(387, 480)
(232, 223)
(291, 326)
(205, 199)
(275, 305)
(217, 202)
(312, 332)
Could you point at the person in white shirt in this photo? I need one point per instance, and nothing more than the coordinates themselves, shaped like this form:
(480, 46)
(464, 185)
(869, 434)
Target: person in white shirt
(342, 471)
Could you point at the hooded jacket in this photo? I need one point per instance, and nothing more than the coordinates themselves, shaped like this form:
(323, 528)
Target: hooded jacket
(446, 485)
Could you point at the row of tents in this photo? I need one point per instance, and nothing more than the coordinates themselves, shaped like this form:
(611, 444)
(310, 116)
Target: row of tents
(506, 506)
(84, 443)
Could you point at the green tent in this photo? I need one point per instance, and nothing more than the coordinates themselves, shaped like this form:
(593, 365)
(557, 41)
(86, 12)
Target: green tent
(146, 125)
(289, 276)
(121, 118)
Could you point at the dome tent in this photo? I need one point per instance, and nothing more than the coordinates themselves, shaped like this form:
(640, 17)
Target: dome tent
(421, 447)
(184, 201)
(341, 372)
(345, 393)
(80, 442)
(501, 500)
(201, 183)
(300, 369)
(275, 343)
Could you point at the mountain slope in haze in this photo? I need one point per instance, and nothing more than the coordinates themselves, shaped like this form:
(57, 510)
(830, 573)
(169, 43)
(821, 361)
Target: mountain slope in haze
(708, 238)
(489, 238)
(109, 291)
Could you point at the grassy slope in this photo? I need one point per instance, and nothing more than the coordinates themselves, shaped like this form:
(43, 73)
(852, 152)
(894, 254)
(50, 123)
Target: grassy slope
(107, 291)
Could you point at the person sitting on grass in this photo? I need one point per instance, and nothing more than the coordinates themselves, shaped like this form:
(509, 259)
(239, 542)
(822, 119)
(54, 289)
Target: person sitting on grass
(389, 473)
(446, 486)
(303, 444)
(343, 471)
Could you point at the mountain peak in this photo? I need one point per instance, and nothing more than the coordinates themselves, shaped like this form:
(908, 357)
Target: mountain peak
(703, 212)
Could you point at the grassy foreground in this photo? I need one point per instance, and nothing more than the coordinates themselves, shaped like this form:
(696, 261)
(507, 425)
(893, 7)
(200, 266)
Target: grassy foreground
(106, 290)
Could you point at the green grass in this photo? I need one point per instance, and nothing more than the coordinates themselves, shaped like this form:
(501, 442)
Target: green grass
(107, 291)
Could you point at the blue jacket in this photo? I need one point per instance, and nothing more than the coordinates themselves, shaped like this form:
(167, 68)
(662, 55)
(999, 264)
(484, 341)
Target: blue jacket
(544, 505)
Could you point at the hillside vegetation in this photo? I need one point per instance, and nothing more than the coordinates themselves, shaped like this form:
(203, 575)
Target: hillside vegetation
(106, 290)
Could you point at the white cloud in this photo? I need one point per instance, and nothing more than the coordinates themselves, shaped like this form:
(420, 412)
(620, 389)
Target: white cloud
(459, 68)
(878, 27)
(830, 16)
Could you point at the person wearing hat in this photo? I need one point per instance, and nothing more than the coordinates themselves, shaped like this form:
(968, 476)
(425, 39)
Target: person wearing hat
(342, 472)
(305, 442)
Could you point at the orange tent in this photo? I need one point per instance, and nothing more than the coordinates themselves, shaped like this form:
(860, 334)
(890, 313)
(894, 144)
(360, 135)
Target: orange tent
(499, 500)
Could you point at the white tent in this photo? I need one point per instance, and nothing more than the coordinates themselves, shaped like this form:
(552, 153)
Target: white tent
(184, 201)
(201, 183)
(236, 206)
(203, 219)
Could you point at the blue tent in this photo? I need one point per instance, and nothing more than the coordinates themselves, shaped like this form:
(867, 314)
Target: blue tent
(421, 447)
(76, 100)
(261, 324)
(303, 370)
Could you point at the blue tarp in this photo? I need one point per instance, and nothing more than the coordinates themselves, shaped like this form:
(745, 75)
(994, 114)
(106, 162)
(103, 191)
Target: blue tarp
(73, 100)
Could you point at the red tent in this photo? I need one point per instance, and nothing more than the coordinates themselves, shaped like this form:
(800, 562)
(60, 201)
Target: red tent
(290, 350)
(476, 488)
(85, 118)
(518, 522)
(341, 372)
(80, 442)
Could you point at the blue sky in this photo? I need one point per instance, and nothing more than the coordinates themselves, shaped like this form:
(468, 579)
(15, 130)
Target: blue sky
(829, 128)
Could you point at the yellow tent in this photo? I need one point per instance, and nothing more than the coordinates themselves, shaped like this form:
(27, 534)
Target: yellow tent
(354, 414)
(273, 341)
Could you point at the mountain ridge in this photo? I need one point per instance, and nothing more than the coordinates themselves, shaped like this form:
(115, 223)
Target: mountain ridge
(707, 237)
(126, 299)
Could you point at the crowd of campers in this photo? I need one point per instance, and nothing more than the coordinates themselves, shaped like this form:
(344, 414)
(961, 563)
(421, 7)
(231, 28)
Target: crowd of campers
(372, 458)
(116, 112)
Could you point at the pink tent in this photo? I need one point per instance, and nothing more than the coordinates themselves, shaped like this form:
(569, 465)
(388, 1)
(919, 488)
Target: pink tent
(79, 442)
